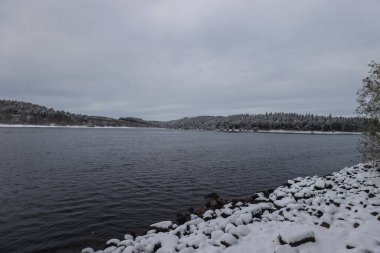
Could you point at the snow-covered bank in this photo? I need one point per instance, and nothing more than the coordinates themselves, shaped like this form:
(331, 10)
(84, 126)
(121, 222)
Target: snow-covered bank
(309, 132)
(68, 126)
(335, 213)
(55, 126)
(280, 131)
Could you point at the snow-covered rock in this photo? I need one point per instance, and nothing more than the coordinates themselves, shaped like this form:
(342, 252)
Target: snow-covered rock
(284, 201)
(87, 250)
(109, 249)
(228, 239)
(128, 237)
(295, 235)
(113, 241)
(125, 243)
(319, 184)
(162, 225)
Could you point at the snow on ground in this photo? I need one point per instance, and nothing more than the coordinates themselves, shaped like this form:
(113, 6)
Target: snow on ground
(335, 213)
(56, 126)
(162, 225)
(279, 131)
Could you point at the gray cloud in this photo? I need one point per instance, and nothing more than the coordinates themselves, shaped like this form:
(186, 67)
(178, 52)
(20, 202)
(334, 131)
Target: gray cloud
(166, 59)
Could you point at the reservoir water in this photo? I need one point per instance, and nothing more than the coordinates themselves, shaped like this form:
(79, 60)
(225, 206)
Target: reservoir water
(64, 189)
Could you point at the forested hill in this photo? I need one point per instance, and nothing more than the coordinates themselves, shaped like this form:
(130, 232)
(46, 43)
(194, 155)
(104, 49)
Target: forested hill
(16, 112)
(271, 121)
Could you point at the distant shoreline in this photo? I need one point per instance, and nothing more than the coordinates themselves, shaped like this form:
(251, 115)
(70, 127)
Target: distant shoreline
(309, 132)
(24, 114)
(54, 126)
(278, 131)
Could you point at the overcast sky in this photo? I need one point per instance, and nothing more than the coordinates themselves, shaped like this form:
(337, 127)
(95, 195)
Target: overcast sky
(166, 59)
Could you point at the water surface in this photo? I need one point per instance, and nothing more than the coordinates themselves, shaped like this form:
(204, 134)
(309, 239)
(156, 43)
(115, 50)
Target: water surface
(63, 189)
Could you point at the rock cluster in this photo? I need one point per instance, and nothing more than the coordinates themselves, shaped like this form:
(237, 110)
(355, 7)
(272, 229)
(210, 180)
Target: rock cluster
(335, 213)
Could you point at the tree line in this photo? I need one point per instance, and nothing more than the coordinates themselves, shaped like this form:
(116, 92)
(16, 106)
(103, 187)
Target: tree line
(19, 112)
(272, 121)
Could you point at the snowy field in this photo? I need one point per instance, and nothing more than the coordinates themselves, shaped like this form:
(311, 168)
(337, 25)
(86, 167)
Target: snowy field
(335, 213)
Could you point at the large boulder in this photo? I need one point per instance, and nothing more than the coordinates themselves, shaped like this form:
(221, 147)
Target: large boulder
(295, 235)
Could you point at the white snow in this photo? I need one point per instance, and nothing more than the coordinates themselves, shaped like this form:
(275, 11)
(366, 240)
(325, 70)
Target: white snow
(110, 249)
(320, 183)
(285, 201)
(295, 232)
(162, 225)
(87, 250)
(227, 238)
(305, 215)
(128, 237)
(208, 214)
(279, 131)
(113, 241)
(125, 243)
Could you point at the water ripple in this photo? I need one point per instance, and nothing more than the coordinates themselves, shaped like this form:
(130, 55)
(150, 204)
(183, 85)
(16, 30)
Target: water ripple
(61, 189)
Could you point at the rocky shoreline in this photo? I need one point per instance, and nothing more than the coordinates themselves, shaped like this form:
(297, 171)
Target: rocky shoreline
(334, 213)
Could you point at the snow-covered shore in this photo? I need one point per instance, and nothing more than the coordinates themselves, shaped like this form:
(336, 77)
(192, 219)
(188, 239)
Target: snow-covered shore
(69, 126)
(335, 213)
(56, 126)
(309, 132)
(281, 131)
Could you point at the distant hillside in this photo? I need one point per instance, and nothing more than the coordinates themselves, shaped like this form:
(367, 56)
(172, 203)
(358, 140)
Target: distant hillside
(17, 112)
(271, 121)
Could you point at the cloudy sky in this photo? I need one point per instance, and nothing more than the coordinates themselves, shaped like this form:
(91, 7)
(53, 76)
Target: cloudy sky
(166, 59)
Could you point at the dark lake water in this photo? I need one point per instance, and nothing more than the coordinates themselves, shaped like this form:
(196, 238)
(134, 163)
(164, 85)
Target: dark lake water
(63, 189)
